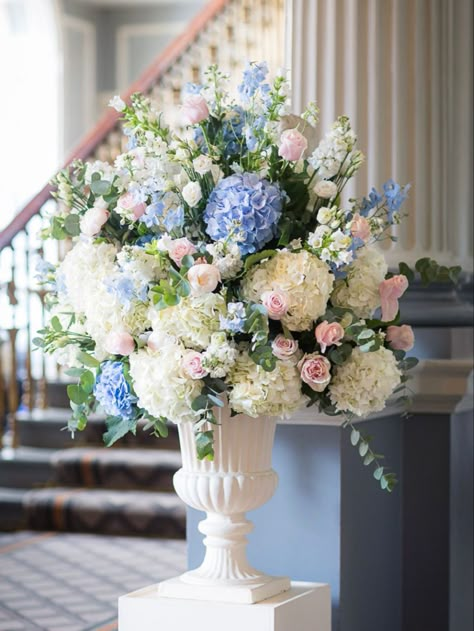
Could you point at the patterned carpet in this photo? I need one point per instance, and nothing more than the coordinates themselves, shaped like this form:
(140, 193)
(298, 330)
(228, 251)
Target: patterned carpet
(71, 582)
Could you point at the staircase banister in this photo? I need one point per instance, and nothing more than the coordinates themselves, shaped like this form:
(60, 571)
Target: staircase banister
(108, 121)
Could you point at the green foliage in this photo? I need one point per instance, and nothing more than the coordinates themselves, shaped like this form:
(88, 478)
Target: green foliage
(256, 323)
(385, 477)
(430, 271)
(117, 427)
(169, 292)
(340, 354)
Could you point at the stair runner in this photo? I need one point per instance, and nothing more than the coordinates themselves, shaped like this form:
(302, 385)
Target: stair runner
(54, 483)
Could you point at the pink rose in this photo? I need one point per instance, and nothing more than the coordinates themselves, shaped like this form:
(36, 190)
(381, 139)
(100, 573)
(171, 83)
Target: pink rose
(93, 220)
(360, 228)
(180, 248)
(203, 278)
(276, 303)
(119, 343)
(194, 109)
(328, 334)
(390, 291)
(128, 201)
(292, 145)
(314, 370)
(191, 365)
(284, 347)
(400, 338)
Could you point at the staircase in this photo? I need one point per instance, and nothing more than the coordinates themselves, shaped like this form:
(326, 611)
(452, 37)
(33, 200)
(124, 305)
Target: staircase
(47, 480)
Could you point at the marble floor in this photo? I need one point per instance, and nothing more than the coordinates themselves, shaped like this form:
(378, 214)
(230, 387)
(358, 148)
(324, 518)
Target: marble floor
(71, 582)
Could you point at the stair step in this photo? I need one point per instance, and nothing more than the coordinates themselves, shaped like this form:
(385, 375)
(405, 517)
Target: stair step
(94, 511)
(48, 429)
(26, 467)
(117, 468)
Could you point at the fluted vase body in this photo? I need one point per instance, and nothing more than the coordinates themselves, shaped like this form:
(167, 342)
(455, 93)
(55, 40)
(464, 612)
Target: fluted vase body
(239, 479)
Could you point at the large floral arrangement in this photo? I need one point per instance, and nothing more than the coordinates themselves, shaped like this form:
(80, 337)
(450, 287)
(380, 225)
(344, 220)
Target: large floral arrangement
(218, 263)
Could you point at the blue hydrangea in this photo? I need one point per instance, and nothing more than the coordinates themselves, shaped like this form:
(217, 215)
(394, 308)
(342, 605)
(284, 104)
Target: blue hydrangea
(126, 289)
(245, 210)
(253, 78)
(113, 392)
(235, 319)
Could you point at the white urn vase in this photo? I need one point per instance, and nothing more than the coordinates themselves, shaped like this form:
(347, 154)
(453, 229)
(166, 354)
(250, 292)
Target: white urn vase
(239, 479)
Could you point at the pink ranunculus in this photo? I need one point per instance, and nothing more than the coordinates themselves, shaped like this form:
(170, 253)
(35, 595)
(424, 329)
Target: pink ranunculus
(401, 338)
(315, 371)
(93, 220)
(390, 291)
(360, 228)
(292, 145)
(180, 248)
(276, 302)
(191, 365)
(194, 109)
(119, 343)
(284, 347)
(203, 278)
(329, 334)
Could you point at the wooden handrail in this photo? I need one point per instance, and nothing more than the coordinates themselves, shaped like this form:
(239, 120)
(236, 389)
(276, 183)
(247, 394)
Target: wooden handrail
(108, 121)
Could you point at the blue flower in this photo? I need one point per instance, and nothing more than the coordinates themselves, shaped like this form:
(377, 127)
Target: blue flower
(235, 319)
(191, 88)
(245, 210)
(395, 196)
(159, 214)
(371, 202)
(232, 130)
(112, 391)
(253, 79)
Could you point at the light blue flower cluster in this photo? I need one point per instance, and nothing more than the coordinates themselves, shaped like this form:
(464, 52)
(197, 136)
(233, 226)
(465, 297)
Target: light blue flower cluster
(252, 80)
(392, 199)
(113, 392)
(160, 215)
(126, 289)
(245, 210)
(235, 320)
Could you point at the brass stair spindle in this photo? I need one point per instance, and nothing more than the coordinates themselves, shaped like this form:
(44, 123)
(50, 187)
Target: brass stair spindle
(28, 387)
(12, 394)
(3, 408)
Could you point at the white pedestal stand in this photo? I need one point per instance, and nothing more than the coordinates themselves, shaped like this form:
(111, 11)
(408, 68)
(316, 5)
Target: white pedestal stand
(305, 607)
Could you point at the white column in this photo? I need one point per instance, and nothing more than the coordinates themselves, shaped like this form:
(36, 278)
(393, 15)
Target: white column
(402, 71)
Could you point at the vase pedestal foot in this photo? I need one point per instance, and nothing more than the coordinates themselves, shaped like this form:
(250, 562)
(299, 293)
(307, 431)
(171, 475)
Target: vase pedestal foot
(254, 592)
(304, 607)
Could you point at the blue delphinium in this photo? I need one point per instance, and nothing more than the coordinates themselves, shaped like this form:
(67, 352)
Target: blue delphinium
(159, 214)
(392, 199)
(232, 130)
(113, 392)
(245, 210)
(253, 78)
(235, 319)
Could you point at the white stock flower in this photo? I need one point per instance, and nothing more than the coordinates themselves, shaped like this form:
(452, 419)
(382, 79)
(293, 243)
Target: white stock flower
(162, 388)
(364, 383)
(360, 290)
(256, 391)
(306, 280)
(220, 355)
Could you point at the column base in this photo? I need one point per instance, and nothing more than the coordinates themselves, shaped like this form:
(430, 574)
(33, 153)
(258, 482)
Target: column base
(249, 594)
(305, 607)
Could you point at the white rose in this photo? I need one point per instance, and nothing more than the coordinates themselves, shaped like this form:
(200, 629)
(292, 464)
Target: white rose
(325, 189)
(202, 164)
(203, 278)
(324, 215)
(93, 220)
(192, 194)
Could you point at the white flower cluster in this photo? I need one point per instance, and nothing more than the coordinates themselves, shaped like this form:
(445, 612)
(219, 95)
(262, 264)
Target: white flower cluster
(305, 279)
(360, 290)
(163, 390)
(226, 257)
(193, 320)
(134, 261)
(335, 150)
(330, 243)
(256, 391)
(220, 355)
(364, 383)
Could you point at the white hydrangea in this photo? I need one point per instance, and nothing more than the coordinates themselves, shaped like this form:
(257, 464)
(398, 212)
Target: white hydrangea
(364, 383)
(306, 280)
(220, 355)
(257, 392)
(160, 385)
(226, 257)
(193, 320)
(360, 290)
